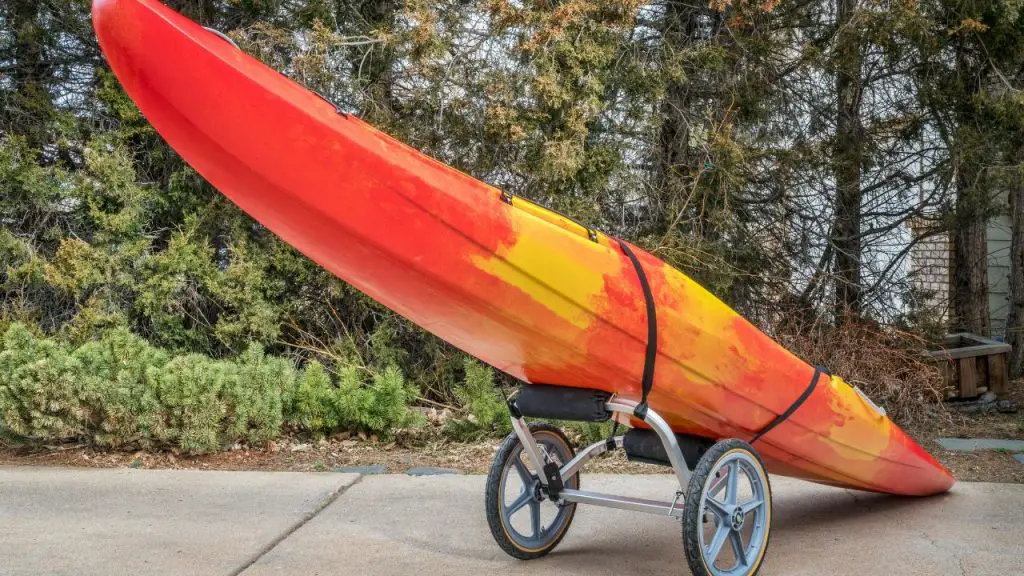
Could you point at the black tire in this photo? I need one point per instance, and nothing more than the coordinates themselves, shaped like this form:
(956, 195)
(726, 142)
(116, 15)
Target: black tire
(693, 523)
(494, 493)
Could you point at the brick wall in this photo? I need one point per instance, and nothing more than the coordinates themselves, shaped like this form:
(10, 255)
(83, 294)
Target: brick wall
(929, 267)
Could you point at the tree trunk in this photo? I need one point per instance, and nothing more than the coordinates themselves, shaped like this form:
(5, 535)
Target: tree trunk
(1015, 316)
(373, 64)
(969, 300)
(30, 106)
(848, 155)
(673, 161)
(970, 274)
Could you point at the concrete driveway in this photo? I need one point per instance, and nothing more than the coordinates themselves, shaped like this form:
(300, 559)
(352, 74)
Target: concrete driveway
(85, 522)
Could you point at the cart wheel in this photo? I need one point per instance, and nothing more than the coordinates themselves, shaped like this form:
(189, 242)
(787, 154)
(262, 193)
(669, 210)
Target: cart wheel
(727, 515)
(524, 522)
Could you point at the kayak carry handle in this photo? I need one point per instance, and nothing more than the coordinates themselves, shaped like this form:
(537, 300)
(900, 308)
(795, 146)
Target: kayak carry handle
(546, 213)
(228, 39)
(221, 35)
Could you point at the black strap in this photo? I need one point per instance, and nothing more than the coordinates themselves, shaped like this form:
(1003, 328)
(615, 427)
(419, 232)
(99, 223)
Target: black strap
(610, 442)
(818, 371)
(652, 334)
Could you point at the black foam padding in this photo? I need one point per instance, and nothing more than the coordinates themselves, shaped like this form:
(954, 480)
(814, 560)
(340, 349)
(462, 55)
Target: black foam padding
(563, 403)
(644, 446)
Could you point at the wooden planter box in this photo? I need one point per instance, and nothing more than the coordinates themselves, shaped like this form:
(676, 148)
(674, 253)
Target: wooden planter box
(973, 364)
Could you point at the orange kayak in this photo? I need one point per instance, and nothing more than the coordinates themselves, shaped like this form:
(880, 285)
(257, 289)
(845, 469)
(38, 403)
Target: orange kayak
(522, 288)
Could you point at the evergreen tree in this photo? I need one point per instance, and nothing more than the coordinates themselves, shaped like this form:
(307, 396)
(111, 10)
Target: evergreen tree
(775, 151)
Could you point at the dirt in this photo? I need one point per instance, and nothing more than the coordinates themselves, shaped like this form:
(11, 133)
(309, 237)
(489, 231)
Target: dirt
(981, 466)
(296, 454)
(299, 455)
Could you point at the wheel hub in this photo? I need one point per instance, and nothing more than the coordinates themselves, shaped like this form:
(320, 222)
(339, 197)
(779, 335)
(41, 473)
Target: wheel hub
(737, 519)
(538, 492)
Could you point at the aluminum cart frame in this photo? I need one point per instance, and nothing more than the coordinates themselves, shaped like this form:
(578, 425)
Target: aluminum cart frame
(707, 497)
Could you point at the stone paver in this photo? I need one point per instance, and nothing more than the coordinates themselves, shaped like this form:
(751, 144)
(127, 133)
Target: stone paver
(374, 469)
(972, 444)
(430, 471)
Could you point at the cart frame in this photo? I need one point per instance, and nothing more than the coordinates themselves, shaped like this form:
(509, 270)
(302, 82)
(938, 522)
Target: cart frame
(622, 406)
(707, 497)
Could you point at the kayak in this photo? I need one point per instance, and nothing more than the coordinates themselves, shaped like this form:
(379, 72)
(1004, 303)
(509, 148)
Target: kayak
(522, 288)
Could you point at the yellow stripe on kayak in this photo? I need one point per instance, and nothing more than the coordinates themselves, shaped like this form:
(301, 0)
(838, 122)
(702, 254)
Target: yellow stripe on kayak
(861, 433)
(531, 258)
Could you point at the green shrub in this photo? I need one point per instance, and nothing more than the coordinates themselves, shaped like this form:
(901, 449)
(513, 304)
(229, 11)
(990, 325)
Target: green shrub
(386, 403)
(114, 382)
(377, 408)
(487, 414)
(584, 433)
(350, 400)
(120, 390)
(39, 389)
(207, 404)
(189, 389)
(312, 403)
(256, 399)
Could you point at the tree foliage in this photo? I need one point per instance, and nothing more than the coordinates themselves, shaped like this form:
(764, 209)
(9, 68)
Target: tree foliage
(775, 151)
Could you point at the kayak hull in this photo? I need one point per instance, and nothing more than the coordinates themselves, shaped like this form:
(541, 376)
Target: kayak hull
(521, 288)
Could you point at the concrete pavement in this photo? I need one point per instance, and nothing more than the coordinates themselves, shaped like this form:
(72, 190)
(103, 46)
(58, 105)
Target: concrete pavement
(86, 522)
(81, 522)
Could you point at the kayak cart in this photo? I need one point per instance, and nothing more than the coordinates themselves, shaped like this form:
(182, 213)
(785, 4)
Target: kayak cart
(724, 499)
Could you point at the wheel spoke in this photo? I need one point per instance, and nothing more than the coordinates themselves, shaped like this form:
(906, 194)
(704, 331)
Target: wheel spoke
(718, 542)
(524, 474)
(748, 507)
(719, 482)
(516, 506)
(733, 489)
(737, 547)
(718, 508)
(535, 518)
